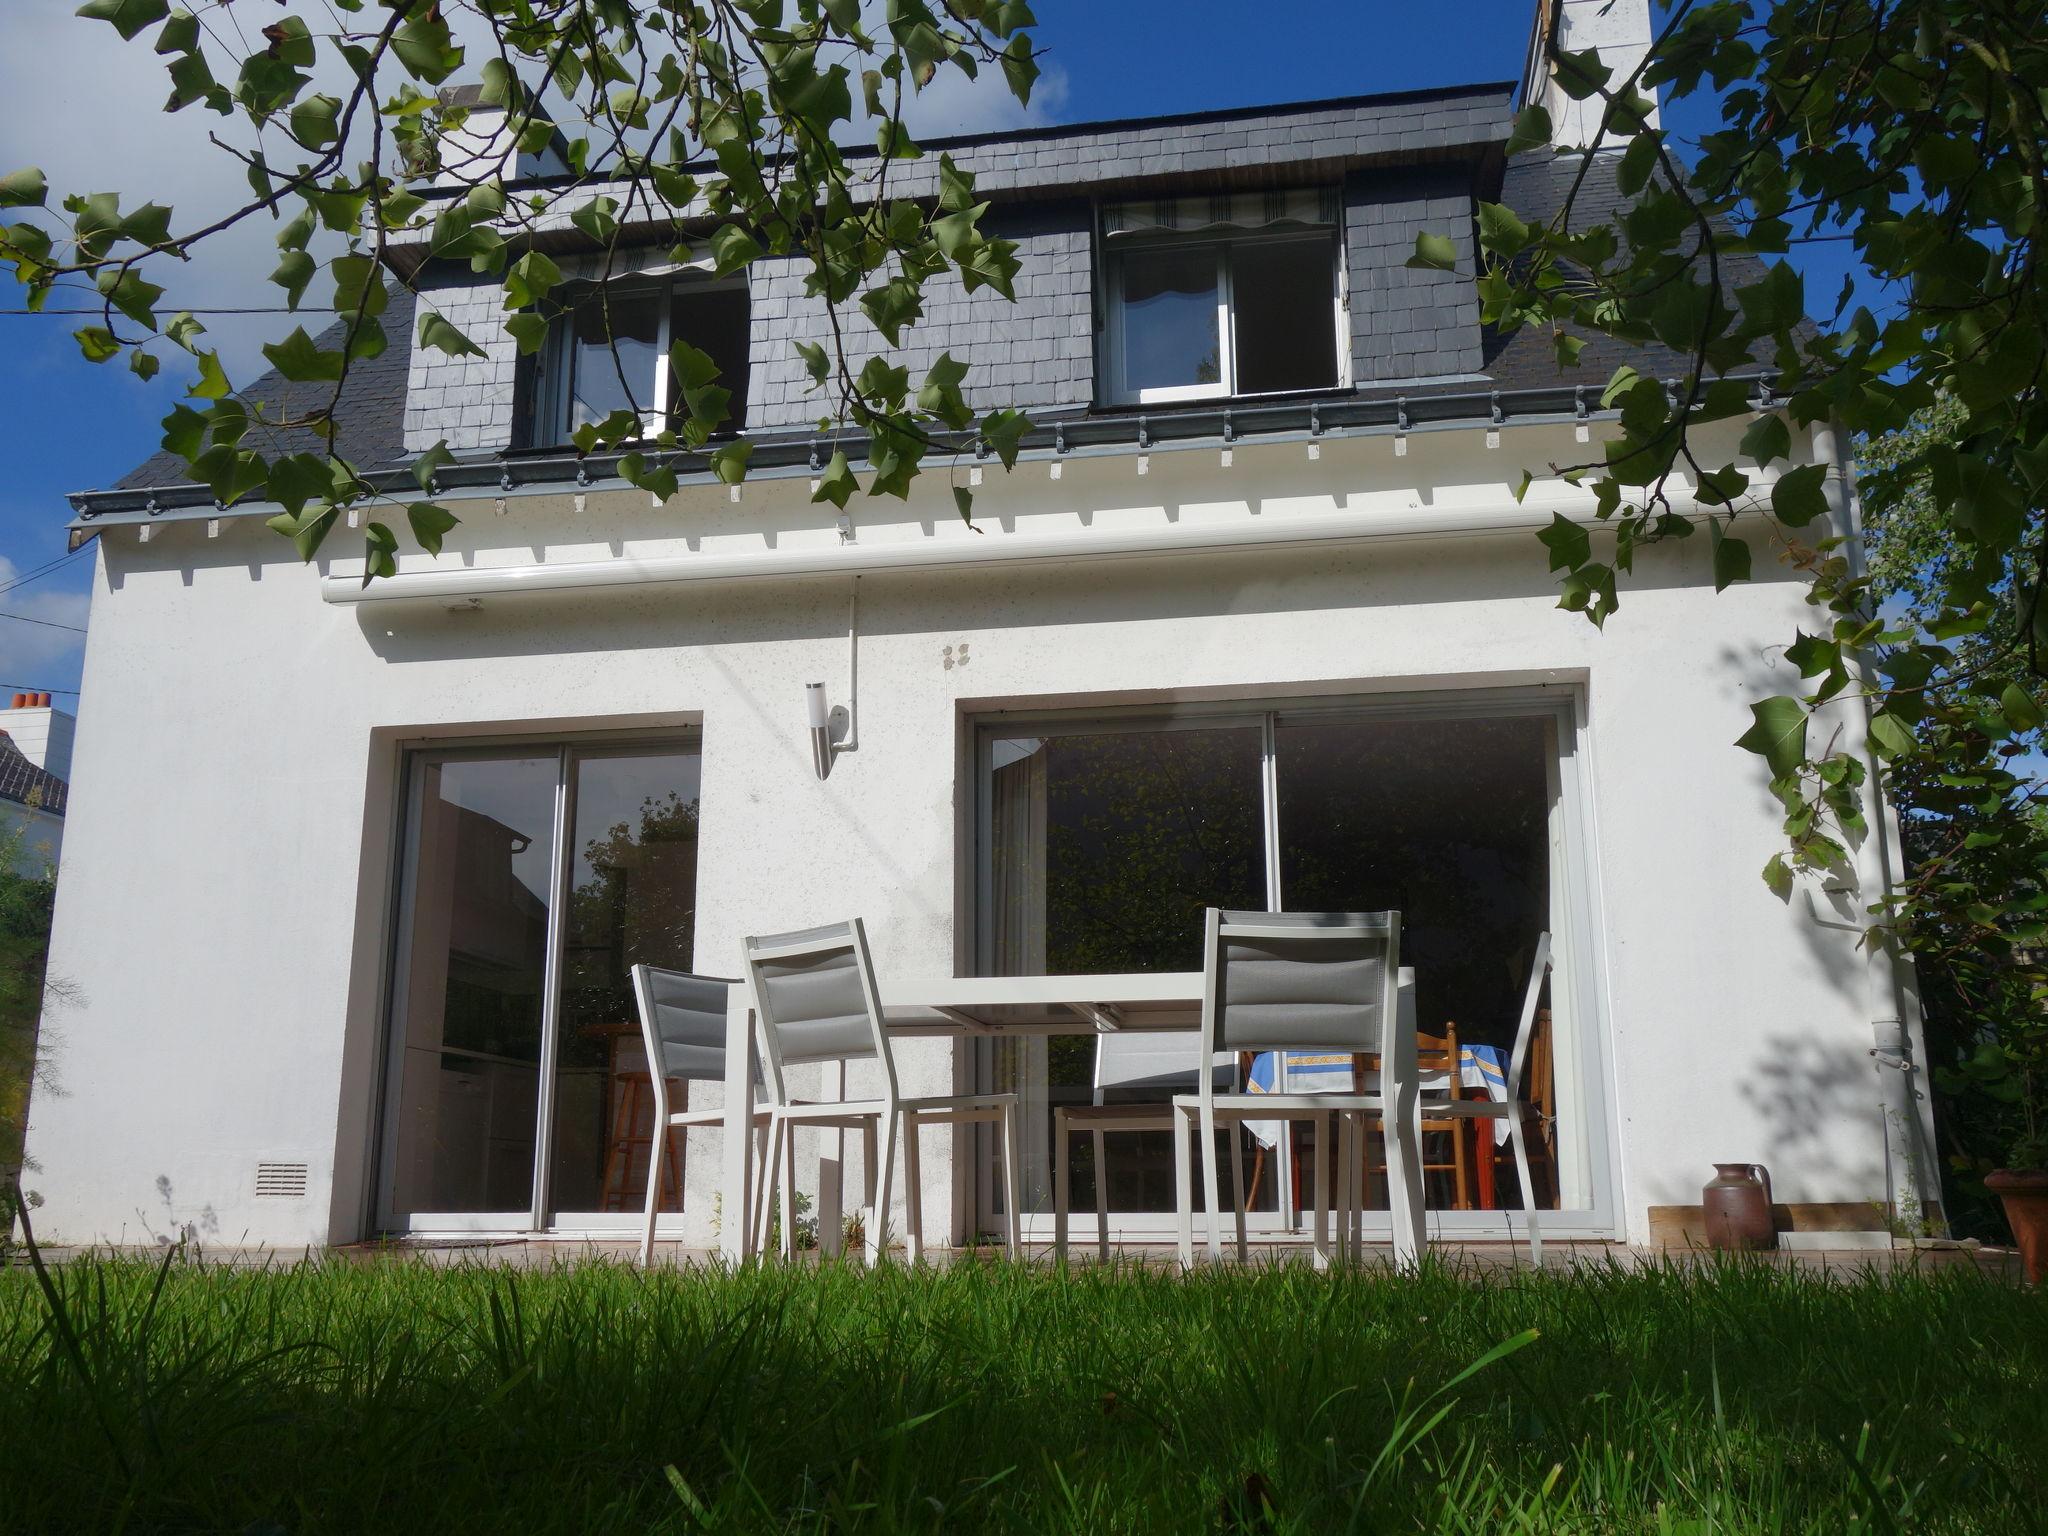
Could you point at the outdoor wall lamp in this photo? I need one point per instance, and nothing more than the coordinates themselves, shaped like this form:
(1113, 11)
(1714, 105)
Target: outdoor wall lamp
(832, 729)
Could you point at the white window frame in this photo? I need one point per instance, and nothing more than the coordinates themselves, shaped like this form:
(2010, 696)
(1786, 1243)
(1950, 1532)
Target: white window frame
(1589, 1179)
(552, 392)
(540, 1218)
(1224, 243)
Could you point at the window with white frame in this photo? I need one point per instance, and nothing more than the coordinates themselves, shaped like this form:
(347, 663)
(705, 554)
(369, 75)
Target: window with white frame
(1221, 296)
(608, 349)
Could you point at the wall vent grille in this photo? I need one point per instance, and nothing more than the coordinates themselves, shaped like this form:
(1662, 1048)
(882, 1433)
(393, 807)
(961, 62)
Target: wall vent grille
(282, 1181)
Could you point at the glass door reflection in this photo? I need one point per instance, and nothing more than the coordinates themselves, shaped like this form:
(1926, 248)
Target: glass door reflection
(474, 962)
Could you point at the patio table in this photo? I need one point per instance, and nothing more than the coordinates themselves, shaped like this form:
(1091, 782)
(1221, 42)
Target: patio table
(966, 1006)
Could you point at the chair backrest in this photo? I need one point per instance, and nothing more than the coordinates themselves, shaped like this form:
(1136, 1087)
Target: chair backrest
(1300, 980)
(1436, 1063)
(814, 995)
(1128, 1063)
(682, 1023)
(1518, 1058)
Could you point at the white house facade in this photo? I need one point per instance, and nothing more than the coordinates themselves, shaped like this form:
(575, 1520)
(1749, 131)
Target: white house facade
(355, 871)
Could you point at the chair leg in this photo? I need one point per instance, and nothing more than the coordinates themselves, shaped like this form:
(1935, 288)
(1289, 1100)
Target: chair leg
(762, 1141)
(913, 1194)
(1101, 1200)
(654, 1172)
(1235, 1137)
(1062, 1174)
(788, 1243)
(1258, 1173)
(878, 1207)
(1207, 1154)
(1013, 1186)
(1322, 1238)
(1515, 1138)
(1347, 1184)
(763, 1187)
(1183, 1190)
(1461, 1172)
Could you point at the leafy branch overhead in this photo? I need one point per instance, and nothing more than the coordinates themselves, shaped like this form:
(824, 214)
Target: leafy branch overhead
(718, 129)
(1914, 134)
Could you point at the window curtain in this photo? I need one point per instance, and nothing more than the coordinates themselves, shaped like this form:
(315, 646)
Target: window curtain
(1229, 210)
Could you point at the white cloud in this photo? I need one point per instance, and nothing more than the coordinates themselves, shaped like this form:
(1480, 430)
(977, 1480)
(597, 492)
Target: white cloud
(34, 653)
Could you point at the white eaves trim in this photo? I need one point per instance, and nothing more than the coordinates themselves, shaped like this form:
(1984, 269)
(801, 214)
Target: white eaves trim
(939, 551)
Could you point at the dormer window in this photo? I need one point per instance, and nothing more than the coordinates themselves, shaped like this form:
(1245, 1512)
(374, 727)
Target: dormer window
(1232, 295)
(608, 347)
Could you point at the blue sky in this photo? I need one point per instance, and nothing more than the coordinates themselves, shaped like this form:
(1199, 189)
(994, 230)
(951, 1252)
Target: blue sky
(69, 425)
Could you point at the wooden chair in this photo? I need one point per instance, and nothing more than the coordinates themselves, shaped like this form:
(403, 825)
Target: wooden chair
(1436, 1061)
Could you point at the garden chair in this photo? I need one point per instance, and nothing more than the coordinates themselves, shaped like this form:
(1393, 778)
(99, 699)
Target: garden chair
(814, 995)
(1516, 1108)
(1307, 981)
(682, 1028)
(1125, 1064)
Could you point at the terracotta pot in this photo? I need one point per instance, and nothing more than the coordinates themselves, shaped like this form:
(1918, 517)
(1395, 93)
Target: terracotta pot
(1737, 1202)
(2024, 1194)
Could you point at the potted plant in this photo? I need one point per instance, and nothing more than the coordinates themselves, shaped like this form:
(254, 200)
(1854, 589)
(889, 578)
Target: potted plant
(2016, 1070)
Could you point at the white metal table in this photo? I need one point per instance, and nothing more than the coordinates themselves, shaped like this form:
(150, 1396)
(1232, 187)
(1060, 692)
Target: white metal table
(964, 1006)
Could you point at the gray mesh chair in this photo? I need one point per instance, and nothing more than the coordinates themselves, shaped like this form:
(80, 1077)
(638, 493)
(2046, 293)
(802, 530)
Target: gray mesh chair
(1300, 981)
(814, 996)
(1126, 1065)
(682, 1029)
(1516, 1108)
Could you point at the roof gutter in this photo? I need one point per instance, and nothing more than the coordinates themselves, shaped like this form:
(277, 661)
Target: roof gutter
(1075, 435)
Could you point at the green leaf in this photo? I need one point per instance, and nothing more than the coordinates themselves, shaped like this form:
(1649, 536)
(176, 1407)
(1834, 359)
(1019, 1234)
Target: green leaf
(1731, 559)
(315, 121)
(1003, 431)
(658, 481)
(96, 343)
(307, 531)
(213, 383)
(2019, 707)
(429, 524)
(1767, 438)
(1570, 545)
(1434, 253)
(1501, 231)
(1797, 498)
(128, 16)
(732, 248)
(529, 280)
(437, 332)
(837, 484)
(528, 330)
(293, 273)
(1891, 736)
(816, 364)
(1532, 130)
(963, 499)
(142, 364)
(301, 361)
(1580, 74)
(729, 462)
(25, 188)
(424, 46)
(184, 432)
(426, 464)
(1778, 734)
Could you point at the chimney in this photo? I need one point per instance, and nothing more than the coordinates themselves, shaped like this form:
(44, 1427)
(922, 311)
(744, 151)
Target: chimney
(482, 148)
(1620, 30)
(41, 732)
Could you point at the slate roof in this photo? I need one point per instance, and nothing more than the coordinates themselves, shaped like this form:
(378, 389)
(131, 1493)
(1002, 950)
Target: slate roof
(1536, 186)
(25, 784)
(371, 414)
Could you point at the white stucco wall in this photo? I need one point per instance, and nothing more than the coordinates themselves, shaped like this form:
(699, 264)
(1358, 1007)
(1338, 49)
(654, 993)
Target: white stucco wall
(229, 864)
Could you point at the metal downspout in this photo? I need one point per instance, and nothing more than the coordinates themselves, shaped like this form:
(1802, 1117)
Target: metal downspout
(1909, 1171)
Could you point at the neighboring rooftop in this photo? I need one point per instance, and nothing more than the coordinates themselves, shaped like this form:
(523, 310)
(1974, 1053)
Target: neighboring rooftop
(22, 782)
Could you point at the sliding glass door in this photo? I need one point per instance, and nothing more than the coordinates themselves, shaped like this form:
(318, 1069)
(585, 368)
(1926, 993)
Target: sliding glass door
(518, 1096)
(1105, 836)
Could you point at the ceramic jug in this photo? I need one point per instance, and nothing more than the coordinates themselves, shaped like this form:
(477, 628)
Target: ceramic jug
(1737, 1202)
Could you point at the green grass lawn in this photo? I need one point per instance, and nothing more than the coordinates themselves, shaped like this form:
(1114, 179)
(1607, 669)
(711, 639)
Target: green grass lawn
(396, 1397)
